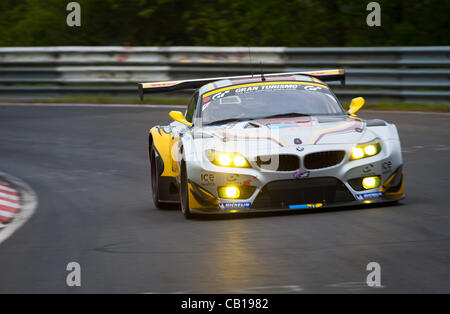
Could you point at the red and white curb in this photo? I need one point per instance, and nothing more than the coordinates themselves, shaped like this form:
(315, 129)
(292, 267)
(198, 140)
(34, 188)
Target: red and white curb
(18, 203)
(9, 203)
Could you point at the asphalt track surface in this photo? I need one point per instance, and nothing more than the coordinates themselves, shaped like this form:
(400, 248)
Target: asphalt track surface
(89, 168)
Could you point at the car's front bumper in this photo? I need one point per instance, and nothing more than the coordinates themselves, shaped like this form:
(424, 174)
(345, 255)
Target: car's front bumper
(319, 192)
(301, 189)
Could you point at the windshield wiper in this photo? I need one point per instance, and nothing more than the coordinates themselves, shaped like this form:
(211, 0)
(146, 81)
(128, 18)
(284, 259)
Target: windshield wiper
(291, 114)
(281, 115)
(227, 121)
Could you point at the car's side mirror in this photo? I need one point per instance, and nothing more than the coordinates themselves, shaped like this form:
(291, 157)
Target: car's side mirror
(178, 116)
(355, 105)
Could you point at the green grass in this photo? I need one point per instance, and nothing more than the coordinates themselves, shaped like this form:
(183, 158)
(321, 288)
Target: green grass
(384, 105)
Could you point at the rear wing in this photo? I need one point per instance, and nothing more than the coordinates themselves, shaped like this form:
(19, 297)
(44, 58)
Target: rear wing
(158, 87)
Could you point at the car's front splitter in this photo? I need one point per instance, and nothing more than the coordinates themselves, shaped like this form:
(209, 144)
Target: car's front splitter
(293, 208)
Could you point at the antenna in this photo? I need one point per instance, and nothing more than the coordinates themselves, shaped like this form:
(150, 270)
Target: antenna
(250, 55)
(262, 73)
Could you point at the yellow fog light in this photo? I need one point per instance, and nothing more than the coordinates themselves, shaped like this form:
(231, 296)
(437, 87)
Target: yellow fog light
(357, 153)
(370, 150)
(371, 182)
(229, 192)
(224, 159)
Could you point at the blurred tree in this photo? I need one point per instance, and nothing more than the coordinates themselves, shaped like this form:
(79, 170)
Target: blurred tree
(224, 23)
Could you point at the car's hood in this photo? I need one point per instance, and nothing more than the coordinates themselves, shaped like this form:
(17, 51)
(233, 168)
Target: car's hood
(303, 130)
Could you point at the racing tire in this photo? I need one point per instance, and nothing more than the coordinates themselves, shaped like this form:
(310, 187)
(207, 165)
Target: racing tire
(154, 174)
(184, 192)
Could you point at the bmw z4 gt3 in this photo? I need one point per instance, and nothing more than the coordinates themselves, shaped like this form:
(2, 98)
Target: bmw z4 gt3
(273, 142)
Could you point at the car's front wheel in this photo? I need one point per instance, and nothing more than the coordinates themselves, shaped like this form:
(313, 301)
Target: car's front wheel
(184, 192)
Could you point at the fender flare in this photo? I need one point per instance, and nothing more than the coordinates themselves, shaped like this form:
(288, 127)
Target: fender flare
(163, 142)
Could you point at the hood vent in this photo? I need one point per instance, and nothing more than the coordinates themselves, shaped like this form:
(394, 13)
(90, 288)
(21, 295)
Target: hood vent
(251, 125)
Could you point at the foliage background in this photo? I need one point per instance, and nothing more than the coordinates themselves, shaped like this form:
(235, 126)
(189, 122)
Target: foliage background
(294, 23)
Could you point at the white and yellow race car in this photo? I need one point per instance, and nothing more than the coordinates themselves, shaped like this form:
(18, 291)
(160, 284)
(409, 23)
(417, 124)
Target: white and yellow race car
(271, 142)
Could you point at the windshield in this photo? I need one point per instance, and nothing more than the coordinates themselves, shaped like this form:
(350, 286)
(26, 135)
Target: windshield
(267, 99)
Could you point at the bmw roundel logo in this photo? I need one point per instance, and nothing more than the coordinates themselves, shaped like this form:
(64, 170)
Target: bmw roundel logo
(300, 148)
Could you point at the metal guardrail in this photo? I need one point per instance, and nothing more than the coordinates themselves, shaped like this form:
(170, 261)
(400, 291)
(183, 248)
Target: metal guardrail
(410, 74)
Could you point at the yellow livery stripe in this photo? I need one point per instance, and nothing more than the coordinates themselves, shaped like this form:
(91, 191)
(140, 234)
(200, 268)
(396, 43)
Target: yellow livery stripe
(328, 129)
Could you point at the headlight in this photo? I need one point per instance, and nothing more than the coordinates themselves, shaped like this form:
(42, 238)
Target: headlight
(225, 159)
(366, 150)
